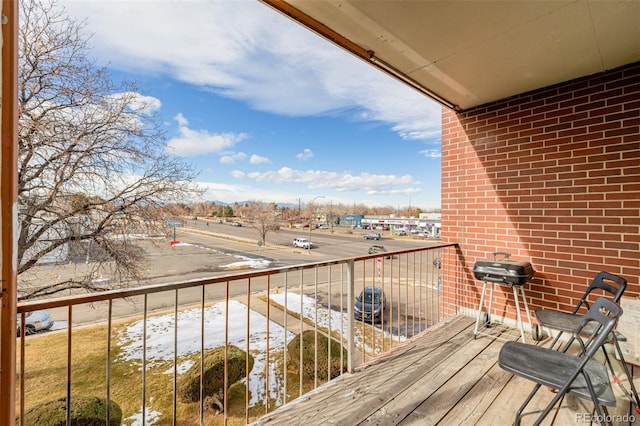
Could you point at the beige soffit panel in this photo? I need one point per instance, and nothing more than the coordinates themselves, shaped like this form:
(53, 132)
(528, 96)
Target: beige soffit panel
(473, 52)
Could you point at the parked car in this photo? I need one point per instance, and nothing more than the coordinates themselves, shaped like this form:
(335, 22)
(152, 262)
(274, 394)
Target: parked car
(219, 221)
(370, 304)
(302, 243)
(401, 232)
(372, 236)
(321, 226)
(236, 223)
(377, 249)
(35, 321)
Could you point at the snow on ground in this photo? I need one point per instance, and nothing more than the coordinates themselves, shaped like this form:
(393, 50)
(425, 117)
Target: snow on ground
(245, 262)
(160, 341)
(151, 418)
(248, 263)
(328, 318)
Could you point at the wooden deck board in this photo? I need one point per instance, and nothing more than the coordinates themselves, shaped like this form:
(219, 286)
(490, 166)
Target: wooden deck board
(444, 376)
(429, 388)
(447, 398)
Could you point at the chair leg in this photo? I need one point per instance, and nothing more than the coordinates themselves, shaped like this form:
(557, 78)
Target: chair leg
(516, 422)
(634, 393)
(558, 397)
(606, 415)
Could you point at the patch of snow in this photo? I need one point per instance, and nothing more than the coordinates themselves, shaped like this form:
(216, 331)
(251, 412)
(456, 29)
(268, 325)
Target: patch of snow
(160, 341)
(151, 417)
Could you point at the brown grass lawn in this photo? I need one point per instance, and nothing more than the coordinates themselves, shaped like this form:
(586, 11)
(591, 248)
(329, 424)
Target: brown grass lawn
(46, 379)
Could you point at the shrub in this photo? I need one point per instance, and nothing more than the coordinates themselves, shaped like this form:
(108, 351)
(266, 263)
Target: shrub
(85, 411)
(308, 355)
(213, 380)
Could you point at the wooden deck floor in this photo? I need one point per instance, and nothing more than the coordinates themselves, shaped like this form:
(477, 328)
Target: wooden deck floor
(444, 376)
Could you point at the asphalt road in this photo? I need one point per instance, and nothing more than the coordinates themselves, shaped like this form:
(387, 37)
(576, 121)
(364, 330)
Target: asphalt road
(220, 249)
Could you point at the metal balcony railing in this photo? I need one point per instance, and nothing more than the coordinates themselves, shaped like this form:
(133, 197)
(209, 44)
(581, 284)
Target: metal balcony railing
(137, 347)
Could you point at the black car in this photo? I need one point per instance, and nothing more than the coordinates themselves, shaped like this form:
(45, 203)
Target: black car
(370, 305)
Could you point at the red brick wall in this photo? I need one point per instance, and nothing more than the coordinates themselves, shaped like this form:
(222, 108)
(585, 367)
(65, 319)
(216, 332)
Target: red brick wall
(553, 177)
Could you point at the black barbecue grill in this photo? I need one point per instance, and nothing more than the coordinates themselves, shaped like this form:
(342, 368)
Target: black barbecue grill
(507, 272)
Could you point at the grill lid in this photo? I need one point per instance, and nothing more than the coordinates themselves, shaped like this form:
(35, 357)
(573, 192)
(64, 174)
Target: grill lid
(505, 271)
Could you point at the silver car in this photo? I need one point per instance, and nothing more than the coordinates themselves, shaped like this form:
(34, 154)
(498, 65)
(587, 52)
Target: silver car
(35, 321)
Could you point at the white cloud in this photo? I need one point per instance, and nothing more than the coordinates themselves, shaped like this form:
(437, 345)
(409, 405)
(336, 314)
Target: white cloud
(305, 154)
(256, 159)
(245, 51)
(182, 121)
(431, 153)
(372, 184)
(140, 103)
(231, 158)
(197, 142)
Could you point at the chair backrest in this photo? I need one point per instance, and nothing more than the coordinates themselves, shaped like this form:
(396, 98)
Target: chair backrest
(606, 313)
(608, 282)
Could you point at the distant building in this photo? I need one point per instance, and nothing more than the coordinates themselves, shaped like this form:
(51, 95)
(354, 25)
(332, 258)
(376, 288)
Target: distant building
(352, 220)
(428, 224)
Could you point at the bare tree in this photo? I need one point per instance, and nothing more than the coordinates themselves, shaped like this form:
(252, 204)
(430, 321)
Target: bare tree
(93, 168)
(264, 218)
(290, 216)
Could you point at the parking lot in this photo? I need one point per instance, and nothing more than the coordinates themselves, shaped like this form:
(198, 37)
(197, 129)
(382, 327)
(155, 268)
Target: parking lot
(203, 253)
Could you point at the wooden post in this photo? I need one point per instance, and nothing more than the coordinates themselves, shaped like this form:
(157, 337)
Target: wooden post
(8, 210)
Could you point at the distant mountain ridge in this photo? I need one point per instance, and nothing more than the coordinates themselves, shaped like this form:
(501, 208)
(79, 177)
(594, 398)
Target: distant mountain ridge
(241, 203)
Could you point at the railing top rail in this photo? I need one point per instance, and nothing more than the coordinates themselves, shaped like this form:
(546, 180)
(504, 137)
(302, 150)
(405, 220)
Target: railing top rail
(32, 305)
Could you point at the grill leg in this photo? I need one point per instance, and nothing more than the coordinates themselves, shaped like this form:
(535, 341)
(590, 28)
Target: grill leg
(484, 288)
(526, 305)
(490, 302)
(518, 315)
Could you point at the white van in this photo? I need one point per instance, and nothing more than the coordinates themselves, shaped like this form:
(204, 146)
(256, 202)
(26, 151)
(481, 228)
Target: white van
(302, 243)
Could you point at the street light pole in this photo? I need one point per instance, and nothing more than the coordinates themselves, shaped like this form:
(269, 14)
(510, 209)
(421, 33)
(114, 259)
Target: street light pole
(311, 221)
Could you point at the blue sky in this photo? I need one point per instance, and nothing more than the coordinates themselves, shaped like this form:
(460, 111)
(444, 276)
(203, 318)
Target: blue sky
(267, 110)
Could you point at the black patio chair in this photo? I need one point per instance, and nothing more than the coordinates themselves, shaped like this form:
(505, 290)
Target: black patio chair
(578, 374)
(563, 322)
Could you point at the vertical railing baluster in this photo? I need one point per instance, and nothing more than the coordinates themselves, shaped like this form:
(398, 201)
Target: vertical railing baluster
(429, 281)
(175, 358)
(23, 317)
(266, 364)
(286, 330)
(144, 361)
(330, 335)
(342, 272)
(108, 372)
(362, 319)
(225, 397)
(350, 321)
(419, 280)
(246, 360)
(413, 280)
(202, 371)
(69, 330)
(300, 331)
(315, 352)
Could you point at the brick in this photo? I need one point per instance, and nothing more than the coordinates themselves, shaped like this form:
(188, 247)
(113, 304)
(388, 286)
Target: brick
(554, 175)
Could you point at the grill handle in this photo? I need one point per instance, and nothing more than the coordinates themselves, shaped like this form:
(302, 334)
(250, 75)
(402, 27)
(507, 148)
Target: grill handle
(494, 279)
(501, 253)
